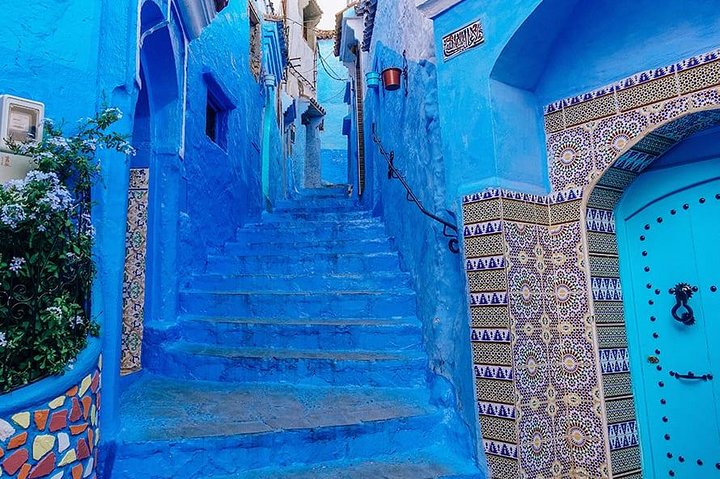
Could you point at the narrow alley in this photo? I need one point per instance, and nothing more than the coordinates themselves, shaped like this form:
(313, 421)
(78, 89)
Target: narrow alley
(359, 239)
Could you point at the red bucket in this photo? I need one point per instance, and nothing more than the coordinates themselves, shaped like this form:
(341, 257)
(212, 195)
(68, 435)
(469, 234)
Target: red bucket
(391, 78)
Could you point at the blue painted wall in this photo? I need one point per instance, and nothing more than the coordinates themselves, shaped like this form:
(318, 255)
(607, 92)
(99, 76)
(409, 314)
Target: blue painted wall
(59, 45)
(410, 126)
(331, 83)
(213, 175)
(536, 52)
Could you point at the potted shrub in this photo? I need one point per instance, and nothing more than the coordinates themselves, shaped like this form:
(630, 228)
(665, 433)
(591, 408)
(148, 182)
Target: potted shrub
(46, 241)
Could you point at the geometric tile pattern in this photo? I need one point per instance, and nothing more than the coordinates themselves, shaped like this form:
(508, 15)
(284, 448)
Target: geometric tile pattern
(57, 438)
(589, 132)
(570, 392)
(649, 114)
(135, 266)
(485, 266)
(555, 388)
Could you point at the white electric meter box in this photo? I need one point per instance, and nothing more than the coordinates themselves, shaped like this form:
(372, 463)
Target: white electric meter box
(21, 121)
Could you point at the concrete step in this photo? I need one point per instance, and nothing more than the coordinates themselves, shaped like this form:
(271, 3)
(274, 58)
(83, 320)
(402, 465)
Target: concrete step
(433, 463)
(387, 334)
(183, 360)
(301, 304)
(299, 282)
(279, 222)
(289, 245)
(304, 263)
(196, 429)
(338, 192)
(326, 206)
(338, 232)
(316, 216)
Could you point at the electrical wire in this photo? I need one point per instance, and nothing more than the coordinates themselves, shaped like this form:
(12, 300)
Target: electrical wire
(340, 92)
(328, 69)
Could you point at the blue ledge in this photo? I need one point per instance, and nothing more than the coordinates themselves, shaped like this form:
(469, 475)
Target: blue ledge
(48, 389)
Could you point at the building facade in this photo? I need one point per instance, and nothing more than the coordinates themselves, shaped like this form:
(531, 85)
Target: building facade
(196, 82)
(565, 141)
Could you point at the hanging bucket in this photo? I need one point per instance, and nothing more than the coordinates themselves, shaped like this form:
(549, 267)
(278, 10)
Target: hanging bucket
(372, 79)
(391, 78)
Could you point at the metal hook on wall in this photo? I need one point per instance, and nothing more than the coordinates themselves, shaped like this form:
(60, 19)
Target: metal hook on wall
(406, 72)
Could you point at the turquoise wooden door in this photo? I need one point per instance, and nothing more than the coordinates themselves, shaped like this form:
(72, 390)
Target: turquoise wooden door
(668, 225)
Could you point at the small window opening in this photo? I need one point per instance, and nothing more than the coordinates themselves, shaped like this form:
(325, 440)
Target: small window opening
(220, 5)
(216, 122)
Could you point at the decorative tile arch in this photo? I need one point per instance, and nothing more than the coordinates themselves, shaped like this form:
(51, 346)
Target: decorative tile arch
(548, 339)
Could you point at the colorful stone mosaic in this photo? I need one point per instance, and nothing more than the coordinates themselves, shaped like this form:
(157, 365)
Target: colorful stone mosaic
(58, 439)
(135, 263)
(571, 395)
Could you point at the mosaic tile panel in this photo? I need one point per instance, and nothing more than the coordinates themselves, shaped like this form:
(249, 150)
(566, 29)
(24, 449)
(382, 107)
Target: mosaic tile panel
(548, 317)
(597, 127)
(135, 263)
(653, 111)
(486, 270)
(55, 439)
(570, 394)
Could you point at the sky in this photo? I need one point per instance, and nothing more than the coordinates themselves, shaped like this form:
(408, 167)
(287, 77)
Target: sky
(330, 8)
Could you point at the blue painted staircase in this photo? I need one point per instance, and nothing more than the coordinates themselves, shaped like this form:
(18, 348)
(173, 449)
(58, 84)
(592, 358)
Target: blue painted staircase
(297, 355)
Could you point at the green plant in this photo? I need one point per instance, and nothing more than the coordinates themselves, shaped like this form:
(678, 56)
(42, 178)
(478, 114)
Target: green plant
(46, 241)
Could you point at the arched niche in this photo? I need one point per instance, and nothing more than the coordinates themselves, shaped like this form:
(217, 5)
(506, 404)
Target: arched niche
(566, 47)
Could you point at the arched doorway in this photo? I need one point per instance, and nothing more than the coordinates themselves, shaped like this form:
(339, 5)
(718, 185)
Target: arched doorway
(150, 266)
(655, 209)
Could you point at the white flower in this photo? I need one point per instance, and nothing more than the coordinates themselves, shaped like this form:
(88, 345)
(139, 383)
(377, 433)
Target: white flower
(3, 340)
(128, 149)
(55, 311)
(16, 264)
(113, 112)
(11, 215)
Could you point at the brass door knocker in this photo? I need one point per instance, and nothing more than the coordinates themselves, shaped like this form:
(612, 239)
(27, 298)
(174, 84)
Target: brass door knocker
(683, 292)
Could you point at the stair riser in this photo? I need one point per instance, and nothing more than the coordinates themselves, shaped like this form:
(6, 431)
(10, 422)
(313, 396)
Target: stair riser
(302, 264)
(293, 336)
(300, 283)
(298, 306)
(317, 207)
(312, 216)
(199, 459)
(251, 235)
(319, 246)
(303, 371)
(370, 225)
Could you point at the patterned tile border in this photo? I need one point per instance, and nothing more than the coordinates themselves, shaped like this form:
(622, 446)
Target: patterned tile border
(571, 397)
(56, 439)
(588, 133)
(135, 264)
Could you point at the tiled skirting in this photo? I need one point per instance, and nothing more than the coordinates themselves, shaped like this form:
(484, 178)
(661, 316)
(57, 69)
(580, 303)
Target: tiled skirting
(548, 340)
(135, 264)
